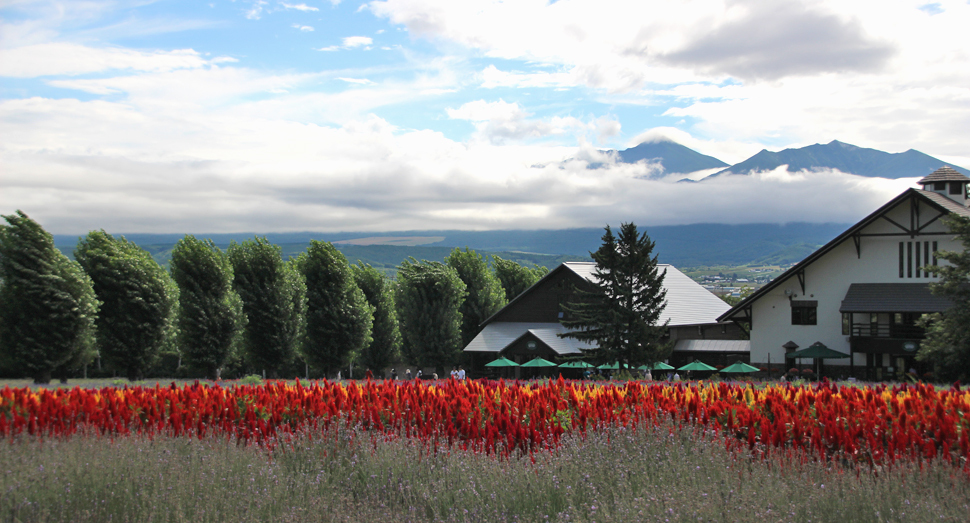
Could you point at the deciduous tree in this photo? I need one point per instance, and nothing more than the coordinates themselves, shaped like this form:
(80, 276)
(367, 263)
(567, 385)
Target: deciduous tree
(138, 301)
(385, 346)
(515, 278)
(429, 298)
(484, 295)
(210, 316)
(47, 303)
(273, 295)
(621, 314)
(338, 317)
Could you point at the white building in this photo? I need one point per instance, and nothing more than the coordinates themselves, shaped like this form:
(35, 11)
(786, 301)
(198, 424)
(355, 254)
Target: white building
(863, 292)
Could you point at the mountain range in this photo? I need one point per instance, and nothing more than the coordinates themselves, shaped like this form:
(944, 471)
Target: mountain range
(848, 158)
(681, 245)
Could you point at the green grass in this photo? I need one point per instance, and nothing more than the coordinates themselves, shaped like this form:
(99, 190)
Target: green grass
(667, 474)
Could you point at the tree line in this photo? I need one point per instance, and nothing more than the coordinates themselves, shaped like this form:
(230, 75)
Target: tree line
(241, 311)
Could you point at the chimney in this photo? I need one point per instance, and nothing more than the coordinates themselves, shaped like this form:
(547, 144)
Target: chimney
(948, 182)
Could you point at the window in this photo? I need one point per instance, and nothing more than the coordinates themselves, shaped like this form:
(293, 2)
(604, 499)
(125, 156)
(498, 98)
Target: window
(917, 260)
(956, 187)
(846, 323)
(804, 313)
(902, 268)
(909, 259)
(926, 258)
(939, 186)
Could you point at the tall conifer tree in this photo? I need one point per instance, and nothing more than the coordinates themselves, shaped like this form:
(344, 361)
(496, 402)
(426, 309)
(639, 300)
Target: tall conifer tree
(947, 343)
(621, 314)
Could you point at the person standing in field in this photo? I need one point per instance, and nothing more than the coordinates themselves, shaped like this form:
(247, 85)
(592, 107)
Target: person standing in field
(461, 373)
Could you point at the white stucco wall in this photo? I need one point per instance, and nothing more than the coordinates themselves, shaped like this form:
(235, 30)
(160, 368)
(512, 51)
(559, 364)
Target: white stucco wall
(827, 280)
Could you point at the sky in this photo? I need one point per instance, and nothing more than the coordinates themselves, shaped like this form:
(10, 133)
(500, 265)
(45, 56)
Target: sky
(391, 115)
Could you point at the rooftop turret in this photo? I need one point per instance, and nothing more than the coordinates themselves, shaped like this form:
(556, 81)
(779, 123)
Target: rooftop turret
(948, 182)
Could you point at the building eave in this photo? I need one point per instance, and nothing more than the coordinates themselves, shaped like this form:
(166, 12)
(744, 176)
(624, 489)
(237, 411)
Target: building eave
(734, 314)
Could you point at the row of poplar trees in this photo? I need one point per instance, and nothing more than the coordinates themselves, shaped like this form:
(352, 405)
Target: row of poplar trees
(247, 306)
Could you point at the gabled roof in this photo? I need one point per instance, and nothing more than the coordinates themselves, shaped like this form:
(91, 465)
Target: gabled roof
(939, 201)
(944, 174)
(498, 335)
(687, 302)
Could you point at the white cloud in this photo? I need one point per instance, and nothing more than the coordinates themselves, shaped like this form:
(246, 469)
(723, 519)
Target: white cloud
(299, 7)
(305, 28)
(744, 70)
(359, 81)
(53, 59)
(350, 42)
(501, 121)
(357, 41)
(255, 11)
(89, 165)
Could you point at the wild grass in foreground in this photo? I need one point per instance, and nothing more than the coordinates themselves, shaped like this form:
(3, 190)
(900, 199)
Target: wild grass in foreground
(662, 474)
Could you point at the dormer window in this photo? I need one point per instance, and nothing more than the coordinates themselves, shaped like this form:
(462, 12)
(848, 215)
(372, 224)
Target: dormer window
(939, 186)
(956, 188)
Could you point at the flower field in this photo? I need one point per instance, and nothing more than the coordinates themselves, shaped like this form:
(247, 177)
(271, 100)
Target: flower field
(873, 426)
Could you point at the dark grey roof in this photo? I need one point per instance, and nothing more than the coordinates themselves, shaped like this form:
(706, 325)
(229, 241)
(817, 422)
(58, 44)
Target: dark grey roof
(712, 346)
(938, 200)
(944, 174)
(943, 201)
(892, 297)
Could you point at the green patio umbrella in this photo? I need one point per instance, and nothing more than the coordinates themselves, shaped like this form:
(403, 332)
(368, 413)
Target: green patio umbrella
(817, 350)
(502, 362)
(576, 365)
(697, 366)
(538, 362)
(662, 366)
(740, 367)
(612, 366)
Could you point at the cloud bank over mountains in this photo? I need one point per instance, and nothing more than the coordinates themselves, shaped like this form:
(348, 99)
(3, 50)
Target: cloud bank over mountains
(431, 114)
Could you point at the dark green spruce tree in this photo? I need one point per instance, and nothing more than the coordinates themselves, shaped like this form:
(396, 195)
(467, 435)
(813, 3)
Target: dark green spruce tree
(210, 317)
(429, 298)
(515, 278)
(138, 301)
(47, 304)
(484, 294)
(273, 294)
(338, 317)
(621, 314)
(947, 343)
(385, 347)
